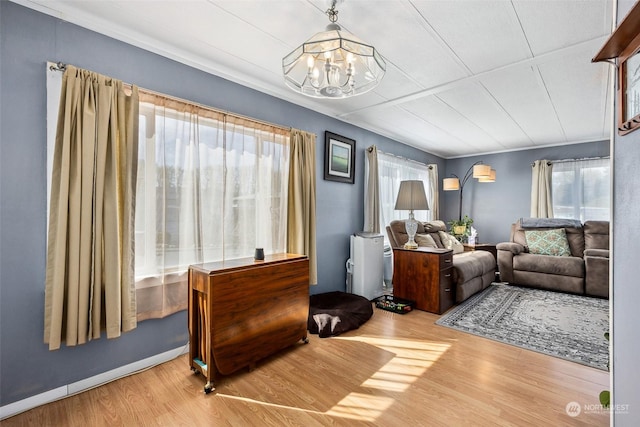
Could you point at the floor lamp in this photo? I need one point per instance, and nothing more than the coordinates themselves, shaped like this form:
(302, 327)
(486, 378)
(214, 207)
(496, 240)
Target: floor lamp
(411, 196)
(484, 173)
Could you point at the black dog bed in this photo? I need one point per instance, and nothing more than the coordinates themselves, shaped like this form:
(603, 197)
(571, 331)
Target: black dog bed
(333, 313)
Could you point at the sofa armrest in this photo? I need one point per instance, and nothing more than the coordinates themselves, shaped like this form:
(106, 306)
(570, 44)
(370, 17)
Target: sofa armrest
(597, 274)
(506, 252)
(514, 248)
(600, 253)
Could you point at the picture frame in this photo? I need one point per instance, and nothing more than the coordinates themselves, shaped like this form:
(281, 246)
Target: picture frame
(339, 158)
(622, 49)
(629, 91)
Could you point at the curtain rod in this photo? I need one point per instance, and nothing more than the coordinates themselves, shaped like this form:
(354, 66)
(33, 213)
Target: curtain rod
(580, 159)
(550, 162)
(61, 66)
(404, 158)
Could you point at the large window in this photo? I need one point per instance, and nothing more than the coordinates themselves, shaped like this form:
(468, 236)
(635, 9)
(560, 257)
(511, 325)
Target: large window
(580, 189)
(392, 170)
(211, 186)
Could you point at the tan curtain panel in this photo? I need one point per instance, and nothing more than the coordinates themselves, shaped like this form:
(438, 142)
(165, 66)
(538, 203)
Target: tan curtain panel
(432, 192)
(541, 197)
(90, 253)
(371, 191)
(301, 212)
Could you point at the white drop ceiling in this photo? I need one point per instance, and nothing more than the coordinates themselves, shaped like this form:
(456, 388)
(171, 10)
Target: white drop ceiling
(464, 77)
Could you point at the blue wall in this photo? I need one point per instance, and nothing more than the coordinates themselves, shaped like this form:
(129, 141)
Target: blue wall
(27, 40)
(495, 206)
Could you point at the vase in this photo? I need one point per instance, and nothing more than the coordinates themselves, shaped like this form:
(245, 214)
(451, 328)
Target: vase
(459, 230)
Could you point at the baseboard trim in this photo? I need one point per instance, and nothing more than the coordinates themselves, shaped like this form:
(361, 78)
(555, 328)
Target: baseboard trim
(23, 405)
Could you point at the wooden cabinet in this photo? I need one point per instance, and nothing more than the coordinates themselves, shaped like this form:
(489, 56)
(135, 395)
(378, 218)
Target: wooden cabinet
(243, 310)
(424, 275)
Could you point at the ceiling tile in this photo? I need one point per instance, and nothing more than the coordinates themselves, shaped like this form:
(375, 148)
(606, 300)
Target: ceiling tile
(483, 34)
(571, 86)
(520, 92)
(411, 130)
(432, 110)
(476, 104)
(398, 33)
(552, 25)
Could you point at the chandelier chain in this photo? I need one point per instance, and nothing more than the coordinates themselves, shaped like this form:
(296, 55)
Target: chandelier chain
(332, 12)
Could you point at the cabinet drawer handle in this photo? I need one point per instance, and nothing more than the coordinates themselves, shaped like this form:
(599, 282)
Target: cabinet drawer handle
(447, 275)
(447, 289)
(447, 260)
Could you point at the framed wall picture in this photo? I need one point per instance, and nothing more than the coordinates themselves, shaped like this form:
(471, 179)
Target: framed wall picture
(622, 49)
(629, 92)
(339, 158)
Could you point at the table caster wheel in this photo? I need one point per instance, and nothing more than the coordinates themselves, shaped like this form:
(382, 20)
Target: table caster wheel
(208, 388)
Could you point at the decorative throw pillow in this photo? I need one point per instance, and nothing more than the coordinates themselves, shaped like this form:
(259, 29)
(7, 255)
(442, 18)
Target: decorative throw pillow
(548, 242)
(451, 242)
(425, 240)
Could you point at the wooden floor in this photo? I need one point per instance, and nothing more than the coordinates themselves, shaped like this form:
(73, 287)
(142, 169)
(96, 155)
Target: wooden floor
(396, 370)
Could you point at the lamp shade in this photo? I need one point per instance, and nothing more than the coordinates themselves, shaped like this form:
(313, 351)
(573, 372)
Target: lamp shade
(481, 170)
(490, 178)
(411, 196)
(449, 184)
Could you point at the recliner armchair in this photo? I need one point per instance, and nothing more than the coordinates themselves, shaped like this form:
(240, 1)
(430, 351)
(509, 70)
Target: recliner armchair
(472, 271)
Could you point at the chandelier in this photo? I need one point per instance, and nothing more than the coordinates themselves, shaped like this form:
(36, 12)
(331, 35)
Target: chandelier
(333, 63)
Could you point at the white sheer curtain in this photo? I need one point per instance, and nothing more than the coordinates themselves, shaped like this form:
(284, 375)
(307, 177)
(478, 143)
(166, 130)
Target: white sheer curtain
(392, 170)
(581, 189)
(199, 195)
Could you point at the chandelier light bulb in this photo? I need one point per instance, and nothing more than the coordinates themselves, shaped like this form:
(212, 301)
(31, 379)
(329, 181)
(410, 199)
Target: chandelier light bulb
(350, 58)
(334, 76)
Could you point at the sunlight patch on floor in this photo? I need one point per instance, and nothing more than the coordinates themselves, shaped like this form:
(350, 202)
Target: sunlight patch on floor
(411, 360)
(362, 407)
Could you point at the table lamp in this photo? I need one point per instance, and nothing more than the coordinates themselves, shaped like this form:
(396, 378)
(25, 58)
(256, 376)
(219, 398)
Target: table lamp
(411, 196)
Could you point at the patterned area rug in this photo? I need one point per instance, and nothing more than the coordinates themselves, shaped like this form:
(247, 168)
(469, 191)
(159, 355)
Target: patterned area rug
(562, 325)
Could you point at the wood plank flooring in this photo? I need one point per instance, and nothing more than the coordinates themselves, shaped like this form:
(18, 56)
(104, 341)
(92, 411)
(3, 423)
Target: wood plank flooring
(396, 370)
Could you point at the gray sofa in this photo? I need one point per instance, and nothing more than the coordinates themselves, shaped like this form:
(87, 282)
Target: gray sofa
(585, 272)
(472, 271)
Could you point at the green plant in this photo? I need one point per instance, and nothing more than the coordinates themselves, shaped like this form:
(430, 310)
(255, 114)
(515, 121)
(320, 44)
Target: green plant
(605, 395)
